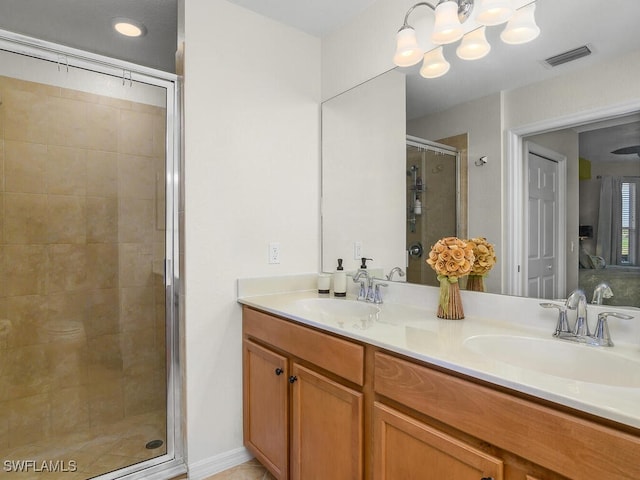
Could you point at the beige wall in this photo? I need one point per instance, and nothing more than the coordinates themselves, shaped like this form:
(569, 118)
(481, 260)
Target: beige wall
(82, 332)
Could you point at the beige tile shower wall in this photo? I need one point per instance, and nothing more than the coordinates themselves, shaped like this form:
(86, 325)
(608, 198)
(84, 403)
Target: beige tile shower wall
(81, 227)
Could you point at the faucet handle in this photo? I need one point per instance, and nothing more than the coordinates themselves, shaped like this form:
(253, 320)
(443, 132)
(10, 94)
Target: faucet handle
(371, 296)
(601, 333)
(363, 292)
(378, 294)
(563, 324)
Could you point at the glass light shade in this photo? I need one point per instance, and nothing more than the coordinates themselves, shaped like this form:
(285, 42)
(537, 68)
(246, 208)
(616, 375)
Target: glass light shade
(408, 52)
(474, 45)
(494, 12)
(434, 64)
(447, 28)
(522, 27)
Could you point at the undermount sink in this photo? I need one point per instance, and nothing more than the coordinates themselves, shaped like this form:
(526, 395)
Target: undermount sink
(560, 359)
(337, 307)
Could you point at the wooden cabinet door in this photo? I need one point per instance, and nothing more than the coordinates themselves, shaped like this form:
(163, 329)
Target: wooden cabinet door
(327, 423)
(266, 407)
(406, 449)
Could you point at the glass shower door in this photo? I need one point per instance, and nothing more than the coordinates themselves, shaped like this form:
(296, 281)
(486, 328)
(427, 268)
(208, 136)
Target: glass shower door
(83, 299)
(432, 191)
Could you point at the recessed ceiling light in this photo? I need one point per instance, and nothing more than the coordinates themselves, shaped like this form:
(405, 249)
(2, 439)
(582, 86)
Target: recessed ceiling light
(128, 27)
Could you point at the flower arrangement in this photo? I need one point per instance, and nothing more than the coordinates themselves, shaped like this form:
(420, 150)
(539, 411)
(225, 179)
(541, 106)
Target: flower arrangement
(451, 258)
(485, 259)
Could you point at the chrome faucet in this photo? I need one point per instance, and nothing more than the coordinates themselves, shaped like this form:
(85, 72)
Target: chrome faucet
(367, 294)
(577, 300)
(602, 290)
(397, 270)
(580, 331)
(363, 294)
(369, 291)
(359, 274)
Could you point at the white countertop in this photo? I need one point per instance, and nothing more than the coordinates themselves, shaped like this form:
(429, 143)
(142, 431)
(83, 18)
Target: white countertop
(415, 331)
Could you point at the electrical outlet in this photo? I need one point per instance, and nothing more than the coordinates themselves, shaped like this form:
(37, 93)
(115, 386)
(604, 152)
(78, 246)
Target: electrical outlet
(357, 250)
(274, 252)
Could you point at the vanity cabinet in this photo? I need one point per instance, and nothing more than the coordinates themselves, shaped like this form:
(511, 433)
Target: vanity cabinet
(320, 406)
(303, 404)
(534, 439)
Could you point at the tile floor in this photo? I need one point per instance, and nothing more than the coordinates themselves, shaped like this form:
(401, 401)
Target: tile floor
(251, 470)
(121, 444)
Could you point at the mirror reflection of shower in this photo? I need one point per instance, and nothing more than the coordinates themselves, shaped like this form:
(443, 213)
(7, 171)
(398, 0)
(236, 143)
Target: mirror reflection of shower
(432, 191)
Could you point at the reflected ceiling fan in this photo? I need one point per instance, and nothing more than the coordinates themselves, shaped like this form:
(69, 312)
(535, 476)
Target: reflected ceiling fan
(628, 150)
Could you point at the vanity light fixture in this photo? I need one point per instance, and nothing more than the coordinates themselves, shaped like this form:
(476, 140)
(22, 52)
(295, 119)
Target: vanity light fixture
(128, 27)
(447, 28)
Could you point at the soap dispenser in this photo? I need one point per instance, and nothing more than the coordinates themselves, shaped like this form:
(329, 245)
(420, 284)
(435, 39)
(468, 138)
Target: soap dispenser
(417, 207)
(340, 281)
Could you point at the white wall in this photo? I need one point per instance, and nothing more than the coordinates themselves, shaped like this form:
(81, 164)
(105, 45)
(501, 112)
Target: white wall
(251, 105)
(481, 120)
(363, 174)
(362, 48)
(600, 87)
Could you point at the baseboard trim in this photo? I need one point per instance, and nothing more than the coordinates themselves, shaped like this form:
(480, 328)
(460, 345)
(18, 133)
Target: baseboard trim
(219, 463)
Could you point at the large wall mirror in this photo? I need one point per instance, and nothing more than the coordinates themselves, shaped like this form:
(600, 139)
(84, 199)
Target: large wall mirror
(574, 116)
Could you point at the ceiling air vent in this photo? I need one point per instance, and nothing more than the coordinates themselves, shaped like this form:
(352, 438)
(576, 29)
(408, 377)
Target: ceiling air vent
(568, 56)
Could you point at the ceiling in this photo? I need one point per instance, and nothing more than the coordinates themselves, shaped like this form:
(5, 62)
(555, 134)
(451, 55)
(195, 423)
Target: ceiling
(316, 17)
(610, 28)
(86, 25)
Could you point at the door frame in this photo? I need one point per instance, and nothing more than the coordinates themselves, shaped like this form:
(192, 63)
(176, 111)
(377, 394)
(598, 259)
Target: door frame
(560, 240)
(513, 278)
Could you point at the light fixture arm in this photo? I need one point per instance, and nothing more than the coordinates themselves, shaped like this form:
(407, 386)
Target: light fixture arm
(465, 7)
(410, 11)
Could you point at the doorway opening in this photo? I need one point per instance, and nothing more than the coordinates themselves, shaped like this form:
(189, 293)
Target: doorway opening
(582, 188)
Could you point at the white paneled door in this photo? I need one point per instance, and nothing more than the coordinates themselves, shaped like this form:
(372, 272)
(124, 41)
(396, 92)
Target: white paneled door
(542, 265)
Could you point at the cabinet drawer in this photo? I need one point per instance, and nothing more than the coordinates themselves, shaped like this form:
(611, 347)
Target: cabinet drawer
(569, 445)
(333, 354)
(405, 448)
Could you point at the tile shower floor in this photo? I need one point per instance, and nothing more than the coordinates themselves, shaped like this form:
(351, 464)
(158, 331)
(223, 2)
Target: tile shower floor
(115, 446)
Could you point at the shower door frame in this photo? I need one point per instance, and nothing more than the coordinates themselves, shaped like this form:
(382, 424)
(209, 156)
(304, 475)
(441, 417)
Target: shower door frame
(172, 463)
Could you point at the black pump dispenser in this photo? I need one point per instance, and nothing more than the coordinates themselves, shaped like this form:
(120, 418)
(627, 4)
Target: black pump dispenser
(364, 262)
(340, 281)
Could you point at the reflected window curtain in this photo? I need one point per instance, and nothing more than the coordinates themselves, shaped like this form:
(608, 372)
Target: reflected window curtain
(610, 220)
(633, 214)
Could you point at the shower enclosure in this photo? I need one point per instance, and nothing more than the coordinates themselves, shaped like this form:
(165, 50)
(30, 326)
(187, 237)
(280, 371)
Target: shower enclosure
(433, 203)
(88, 241)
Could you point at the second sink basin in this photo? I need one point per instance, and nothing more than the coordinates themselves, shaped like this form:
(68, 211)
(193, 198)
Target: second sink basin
(558, 358)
